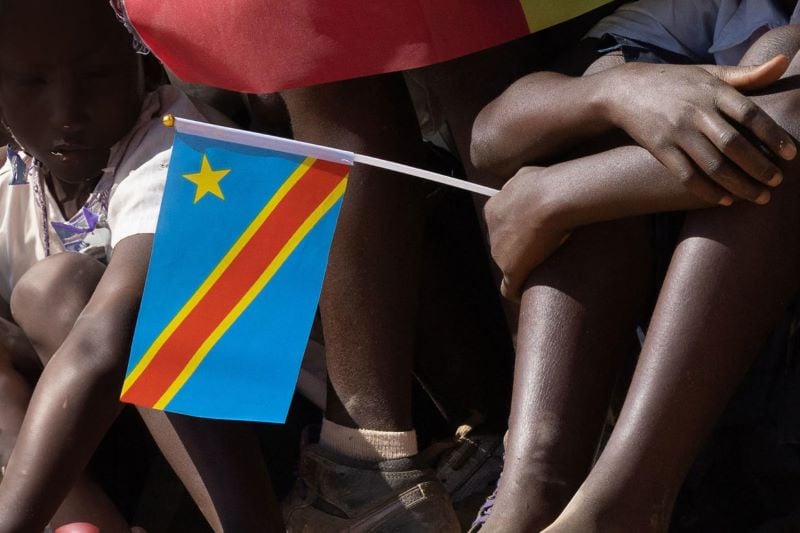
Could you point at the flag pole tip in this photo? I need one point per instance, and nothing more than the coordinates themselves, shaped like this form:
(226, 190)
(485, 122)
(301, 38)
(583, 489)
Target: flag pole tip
(168, 120)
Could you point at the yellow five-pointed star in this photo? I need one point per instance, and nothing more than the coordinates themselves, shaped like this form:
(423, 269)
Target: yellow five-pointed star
(207, 180)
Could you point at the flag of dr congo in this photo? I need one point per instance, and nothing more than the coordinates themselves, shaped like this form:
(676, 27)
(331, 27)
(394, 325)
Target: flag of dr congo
(238, 261)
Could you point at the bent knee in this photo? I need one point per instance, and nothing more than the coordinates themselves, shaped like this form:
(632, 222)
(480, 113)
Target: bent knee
(52, 293)
(783, 106)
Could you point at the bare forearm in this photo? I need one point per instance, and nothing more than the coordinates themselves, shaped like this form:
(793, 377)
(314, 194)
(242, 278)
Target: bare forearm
(692, 125)
(618, 183)
(629, 181)
(673, 111)
(77, 396)
(70, 411)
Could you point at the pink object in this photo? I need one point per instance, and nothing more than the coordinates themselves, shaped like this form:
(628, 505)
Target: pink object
(78, 527)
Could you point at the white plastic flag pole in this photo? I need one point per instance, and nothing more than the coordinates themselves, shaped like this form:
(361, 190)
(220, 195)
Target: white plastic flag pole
(425, 174)
(260, 140)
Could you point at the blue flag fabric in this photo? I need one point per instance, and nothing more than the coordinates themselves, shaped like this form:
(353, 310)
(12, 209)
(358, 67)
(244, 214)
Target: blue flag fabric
(235, 276)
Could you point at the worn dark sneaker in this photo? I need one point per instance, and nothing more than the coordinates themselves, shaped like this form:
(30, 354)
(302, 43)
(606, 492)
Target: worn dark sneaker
(469, 473)
(336, 493)
(472, 466)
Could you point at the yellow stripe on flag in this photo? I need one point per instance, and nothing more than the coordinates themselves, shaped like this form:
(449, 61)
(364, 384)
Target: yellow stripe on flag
(542, 14)
(252, 293)
(212, 278)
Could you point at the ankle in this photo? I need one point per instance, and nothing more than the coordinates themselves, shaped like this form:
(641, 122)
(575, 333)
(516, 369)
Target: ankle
(367, 444)
(590, 524)
(620, 514)
(530, 508)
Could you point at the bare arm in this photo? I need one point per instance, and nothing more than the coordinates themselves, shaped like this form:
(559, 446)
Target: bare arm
(540, 116)
(630, 182)
(681, 114)
(77, 396)
(537, 209)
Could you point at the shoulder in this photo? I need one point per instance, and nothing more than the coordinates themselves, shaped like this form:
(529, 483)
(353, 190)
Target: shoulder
(147, 148)
(150, 136)
(141, 167)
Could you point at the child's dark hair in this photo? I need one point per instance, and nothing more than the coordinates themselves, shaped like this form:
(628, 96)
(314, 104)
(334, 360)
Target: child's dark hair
(122, 15)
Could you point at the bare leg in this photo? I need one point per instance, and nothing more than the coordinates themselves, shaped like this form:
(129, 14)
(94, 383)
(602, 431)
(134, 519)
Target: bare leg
(370, 297)
(730, 278)
(576, 327)
(59, 289)
(15, 390)
(220, 464)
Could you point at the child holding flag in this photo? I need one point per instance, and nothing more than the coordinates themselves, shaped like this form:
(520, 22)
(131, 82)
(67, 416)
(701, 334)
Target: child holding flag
(79, 198)
(567, 238)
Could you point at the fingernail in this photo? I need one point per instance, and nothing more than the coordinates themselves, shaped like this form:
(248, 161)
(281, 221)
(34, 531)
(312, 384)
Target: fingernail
(775, 180)
(763, 198)
(726, 201)
(788, 150)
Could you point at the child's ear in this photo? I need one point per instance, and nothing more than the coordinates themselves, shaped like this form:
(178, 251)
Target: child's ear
(154, 73)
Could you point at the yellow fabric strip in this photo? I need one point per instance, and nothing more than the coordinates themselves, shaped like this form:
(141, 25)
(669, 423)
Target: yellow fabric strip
(212, 278)
(252, 293)
(542, 14)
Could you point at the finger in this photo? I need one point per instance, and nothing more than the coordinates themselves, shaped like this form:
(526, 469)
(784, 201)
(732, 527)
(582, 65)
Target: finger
(737, 148)
(510, 284)
(680, 166)
(747, 113)
(510, 290)
(724, 173)
(751, 78)
(514, 275)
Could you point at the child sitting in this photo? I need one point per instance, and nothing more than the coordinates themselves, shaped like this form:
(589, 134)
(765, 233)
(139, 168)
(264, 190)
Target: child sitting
(570, 239)
(79, 199)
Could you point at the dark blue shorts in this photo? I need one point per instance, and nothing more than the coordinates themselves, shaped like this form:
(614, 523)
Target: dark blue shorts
(639, 52)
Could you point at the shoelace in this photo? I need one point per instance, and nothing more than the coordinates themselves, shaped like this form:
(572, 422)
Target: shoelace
(485, 511)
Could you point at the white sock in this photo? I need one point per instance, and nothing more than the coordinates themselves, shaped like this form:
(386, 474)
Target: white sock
(368, 444)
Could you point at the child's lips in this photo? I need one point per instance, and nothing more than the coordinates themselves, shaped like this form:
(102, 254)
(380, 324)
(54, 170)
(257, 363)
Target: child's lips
(71, 154)
(67, 149)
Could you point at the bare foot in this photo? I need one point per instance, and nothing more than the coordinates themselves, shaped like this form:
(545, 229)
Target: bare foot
(580, 516)
(529, 508)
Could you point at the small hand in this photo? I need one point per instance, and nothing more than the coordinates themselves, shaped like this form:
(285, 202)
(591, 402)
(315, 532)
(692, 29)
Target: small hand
(521, 232)
(695, 121)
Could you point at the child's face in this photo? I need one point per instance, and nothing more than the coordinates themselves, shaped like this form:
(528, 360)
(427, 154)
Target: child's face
(71, 85)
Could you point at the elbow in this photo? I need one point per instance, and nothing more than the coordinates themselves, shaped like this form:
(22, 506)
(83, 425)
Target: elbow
(480, 153)
(784, 108)
(485, 149)
(97, 363)
(97, 352)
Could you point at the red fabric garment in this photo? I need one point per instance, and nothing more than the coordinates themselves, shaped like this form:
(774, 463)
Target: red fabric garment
(264, 46)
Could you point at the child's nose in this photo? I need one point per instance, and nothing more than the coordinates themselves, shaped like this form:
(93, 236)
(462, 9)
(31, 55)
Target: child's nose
(69, 106)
